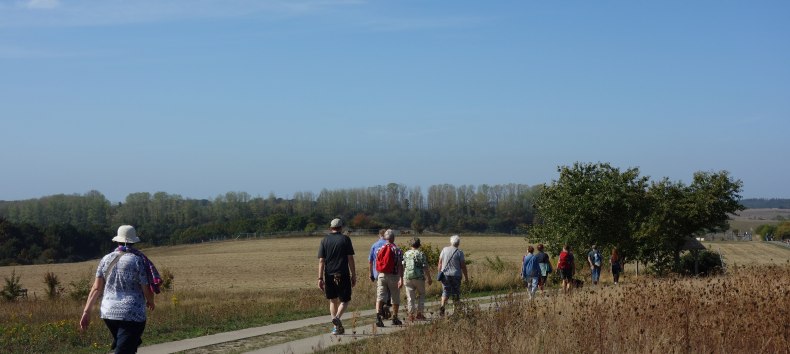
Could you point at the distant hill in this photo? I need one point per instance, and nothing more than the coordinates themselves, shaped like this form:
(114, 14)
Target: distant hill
(761, 203)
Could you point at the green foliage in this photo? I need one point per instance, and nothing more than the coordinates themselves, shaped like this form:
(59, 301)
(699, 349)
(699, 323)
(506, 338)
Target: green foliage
(497, 265)
(599, 204)
(53, 285)
(708, 263)
(80, 288)
(167, 279)
(12, 288)
(764, 230)
(590, 204)
(783, 231)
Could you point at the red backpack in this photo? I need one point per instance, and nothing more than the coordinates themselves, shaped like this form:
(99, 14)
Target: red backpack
(563, 262)
(386, 258)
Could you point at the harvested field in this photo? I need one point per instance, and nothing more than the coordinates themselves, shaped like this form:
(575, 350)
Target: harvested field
(259, 264)
(290, 263)
(750, 252)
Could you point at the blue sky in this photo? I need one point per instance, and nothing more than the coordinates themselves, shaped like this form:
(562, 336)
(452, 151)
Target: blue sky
(202, 97)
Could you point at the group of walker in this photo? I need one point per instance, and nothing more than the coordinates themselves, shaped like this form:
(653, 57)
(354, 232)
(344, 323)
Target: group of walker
(126, 279)
(391, 269)
(535, 268)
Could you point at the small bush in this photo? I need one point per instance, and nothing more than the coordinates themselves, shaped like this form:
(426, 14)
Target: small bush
(12, 289)
(709, 263)
(497, 265)
(167, 279)
(53, 285)
(80, 288)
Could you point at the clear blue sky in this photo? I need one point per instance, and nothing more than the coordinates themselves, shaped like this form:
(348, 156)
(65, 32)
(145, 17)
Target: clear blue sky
(202, 97)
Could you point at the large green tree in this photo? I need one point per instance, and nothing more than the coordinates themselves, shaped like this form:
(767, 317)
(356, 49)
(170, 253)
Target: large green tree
(599, 204)
(679, 212)
(590, 204)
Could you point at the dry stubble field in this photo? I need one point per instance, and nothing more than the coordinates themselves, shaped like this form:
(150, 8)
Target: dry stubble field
(258, 264)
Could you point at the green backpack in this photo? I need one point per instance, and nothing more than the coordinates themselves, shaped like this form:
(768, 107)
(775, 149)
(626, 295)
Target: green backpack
(414, 262)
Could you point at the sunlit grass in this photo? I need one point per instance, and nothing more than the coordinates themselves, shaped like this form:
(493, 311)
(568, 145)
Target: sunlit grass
(744, 312)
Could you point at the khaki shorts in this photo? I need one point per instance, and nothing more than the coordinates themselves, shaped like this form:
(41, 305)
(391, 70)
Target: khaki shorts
(388, 283)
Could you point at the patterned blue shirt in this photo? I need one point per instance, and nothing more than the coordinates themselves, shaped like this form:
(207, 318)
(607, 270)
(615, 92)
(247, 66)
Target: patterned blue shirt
(123, 295)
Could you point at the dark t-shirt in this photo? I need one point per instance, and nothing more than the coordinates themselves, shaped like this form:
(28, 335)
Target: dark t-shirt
(335, 249)
(542, 257)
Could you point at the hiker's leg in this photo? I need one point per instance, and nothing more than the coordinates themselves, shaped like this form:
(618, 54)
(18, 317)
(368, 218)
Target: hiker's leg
(382, 294)
(333, 306)
(341, 308)
(420, 285)
(395, 311)
(394, 293)
(411, 294)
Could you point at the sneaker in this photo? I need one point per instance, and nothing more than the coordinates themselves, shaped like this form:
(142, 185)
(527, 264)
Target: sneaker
(441, 311)
(379, 321)
(396, 321)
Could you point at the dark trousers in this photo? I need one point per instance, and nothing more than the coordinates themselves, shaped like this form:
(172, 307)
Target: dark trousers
(126, 335)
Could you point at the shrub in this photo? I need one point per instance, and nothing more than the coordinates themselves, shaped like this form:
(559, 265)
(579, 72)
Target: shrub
(709, 263)
(80, 288)
(497, 265)
(167, 279)
(53, 285)
(12, 289)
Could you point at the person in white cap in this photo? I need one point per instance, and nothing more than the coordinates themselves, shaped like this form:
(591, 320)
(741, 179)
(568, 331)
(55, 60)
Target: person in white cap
(124, 279)
(336, 272)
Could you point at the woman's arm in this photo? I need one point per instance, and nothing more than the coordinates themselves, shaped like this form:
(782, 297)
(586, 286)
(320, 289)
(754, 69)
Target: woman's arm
(96, 290)
(149, 297)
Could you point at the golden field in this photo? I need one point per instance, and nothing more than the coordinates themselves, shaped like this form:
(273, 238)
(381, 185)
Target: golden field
(258, 264)
(291, 263)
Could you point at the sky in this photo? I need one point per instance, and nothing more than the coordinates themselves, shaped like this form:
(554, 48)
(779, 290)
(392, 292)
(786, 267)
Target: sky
(203, 97)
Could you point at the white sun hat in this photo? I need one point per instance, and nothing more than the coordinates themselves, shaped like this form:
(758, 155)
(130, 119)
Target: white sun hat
(126, 234)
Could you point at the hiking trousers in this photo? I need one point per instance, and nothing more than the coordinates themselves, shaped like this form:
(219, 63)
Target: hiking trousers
(415, 295)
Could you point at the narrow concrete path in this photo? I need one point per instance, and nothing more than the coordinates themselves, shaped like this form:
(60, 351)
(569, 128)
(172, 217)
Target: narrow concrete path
(305, 345)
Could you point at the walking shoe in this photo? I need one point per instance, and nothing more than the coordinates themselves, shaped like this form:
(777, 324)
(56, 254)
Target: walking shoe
(441, 311)
(379, 321)
(396, 321)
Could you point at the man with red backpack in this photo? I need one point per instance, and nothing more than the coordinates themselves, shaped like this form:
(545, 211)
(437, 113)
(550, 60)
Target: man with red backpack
(566, 267)
(389, 265)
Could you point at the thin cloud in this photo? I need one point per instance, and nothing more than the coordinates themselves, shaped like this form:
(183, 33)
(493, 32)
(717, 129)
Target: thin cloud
(108, 13)
(41, 4)
(418, 24)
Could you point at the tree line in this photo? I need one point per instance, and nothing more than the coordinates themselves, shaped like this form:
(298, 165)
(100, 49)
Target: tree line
(62, 228)
(762, 203)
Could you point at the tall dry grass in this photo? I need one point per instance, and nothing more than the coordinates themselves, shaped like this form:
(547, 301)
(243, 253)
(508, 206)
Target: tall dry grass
(746, 311)
(38, 325)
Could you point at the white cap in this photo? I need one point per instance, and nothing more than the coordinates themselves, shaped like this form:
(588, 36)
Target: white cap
(336, 223)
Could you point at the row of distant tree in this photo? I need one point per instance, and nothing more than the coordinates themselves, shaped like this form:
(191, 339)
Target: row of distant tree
(75, 227)
(762, 203)
(590, 203)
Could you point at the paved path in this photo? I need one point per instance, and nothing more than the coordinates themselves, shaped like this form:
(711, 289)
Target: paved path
(305, 345)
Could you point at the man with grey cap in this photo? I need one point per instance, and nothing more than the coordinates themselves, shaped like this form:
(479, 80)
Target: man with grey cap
(336, 272)
(126, 280)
